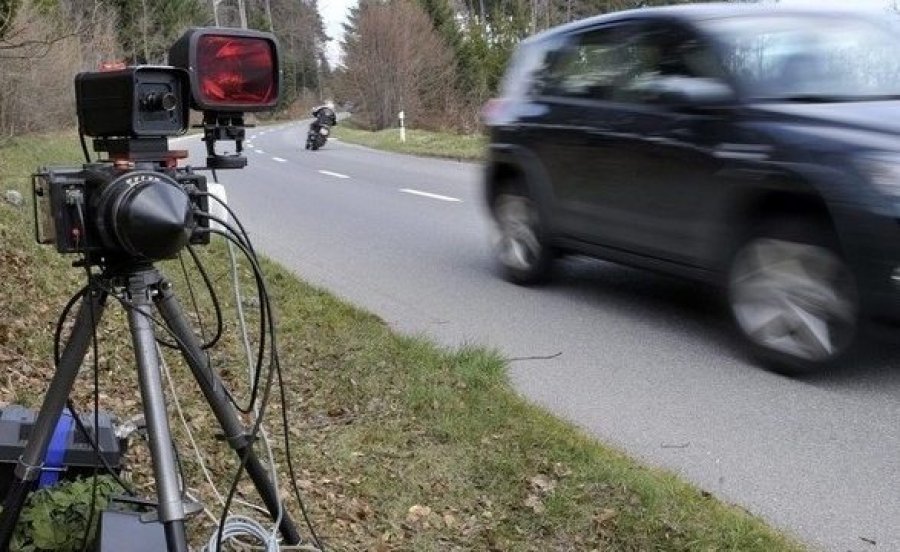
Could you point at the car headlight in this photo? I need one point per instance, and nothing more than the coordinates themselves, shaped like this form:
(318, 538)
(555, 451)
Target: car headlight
(883, 171)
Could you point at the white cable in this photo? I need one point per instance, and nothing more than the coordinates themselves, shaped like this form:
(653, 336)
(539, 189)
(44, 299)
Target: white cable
(187, 428)
(241, 526)
(206, 511)
(232, 528)
(196, 448)
(251, 372)
(220, 192)
(235, 525)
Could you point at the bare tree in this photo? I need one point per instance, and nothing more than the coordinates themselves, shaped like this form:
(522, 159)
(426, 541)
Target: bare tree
(38, 68)
(394, 60)
(19, 37)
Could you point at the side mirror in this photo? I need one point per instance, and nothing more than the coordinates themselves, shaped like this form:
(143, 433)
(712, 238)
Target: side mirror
(688, 92)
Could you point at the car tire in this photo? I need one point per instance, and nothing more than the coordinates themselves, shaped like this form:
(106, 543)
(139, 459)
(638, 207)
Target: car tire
(793, 298)
(519, 242)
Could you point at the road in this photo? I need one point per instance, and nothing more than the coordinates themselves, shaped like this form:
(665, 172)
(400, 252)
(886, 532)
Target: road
(643, 362)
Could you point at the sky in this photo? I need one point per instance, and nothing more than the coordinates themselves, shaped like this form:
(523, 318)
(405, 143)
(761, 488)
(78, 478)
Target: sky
(334, 13)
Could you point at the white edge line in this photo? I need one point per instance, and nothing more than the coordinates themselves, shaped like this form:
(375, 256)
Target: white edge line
(428, 194)
(279, 159)
(334, 174)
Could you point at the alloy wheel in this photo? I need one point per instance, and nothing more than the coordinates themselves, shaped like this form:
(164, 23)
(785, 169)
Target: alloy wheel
(794, 298)
(517, 242)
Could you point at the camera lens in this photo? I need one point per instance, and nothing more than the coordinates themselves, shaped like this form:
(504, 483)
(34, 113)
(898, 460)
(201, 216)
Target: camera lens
(155, 101)
(169, 101)
(144, 214)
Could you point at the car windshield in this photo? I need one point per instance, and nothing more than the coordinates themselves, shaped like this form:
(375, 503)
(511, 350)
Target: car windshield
(810, 58)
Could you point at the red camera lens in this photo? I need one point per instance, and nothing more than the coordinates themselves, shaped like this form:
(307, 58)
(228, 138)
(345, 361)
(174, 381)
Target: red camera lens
(236, 71)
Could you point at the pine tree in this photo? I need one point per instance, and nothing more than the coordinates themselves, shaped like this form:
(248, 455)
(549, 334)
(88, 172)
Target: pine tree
(147, 28)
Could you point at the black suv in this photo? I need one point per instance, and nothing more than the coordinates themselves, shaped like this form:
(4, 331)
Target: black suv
(753, 147)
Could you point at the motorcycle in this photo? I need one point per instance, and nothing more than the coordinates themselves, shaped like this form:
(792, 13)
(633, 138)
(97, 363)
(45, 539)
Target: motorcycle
(320, 129)
(317, 135)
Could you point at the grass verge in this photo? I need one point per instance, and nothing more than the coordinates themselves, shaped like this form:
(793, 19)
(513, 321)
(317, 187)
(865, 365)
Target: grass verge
(400, 445)
(465, 147)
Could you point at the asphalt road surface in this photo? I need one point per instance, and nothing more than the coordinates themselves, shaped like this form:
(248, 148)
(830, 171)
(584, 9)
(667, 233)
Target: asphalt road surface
(643, 362)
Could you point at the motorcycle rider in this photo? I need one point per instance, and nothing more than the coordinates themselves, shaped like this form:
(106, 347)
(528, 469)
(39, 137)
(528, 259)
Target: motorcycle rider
(323, 115)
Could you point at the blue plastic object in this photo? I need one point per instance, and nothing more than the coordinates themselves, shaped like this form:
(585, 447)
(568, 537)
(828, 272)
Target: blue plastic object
(56, 452)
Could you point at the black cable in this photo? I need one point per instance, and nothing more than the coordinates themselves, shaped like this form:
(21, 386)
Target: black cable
(246, 237)
(87, 156)
(96, 363)
(243, 240)
(212, 294)
(214, 297)
(260, 284)
(254, 432)
(276, 366)
(287, 454)
(267, 322)
(250, 253)
(181, 483)
(57, 339)
(264, 401)
(61, 321)
(274, 369)
(205, 345)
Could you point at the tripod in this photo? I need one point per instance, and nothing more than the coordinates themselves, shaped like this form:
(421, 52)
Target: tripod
(140, 287)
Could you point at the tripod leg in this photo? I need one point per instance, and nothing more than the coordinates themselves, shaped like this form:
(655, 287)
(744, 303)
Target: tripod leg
(235, 433)
(30, 463)
(171, 508)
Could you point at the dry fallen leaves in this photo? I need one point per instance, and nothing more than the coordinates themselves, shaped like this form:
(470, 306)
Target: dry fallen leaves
(417, 513)
(542, 484)
(601, 520)
(534, 502)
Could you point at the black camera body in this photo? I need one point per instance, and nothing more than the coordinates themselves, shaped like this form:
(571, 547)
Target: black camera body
(98, 210)
(137, 204)
(134, 101)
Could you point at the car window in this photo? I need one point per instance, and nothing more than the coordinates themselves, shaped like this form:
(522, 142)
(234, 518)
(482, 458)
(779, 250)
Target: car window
(621, 63)
(528, 59)
(794, 56)
(590, 65)
(671, 52)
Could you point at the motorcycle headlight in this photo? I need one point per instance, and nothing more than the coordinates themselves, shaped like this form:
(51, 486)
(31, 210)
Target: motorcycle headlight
(323, 131)
(883, 171)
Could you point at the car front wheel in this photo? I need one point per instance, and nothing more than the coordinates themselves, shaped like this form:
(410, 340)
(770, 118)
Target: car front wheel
(519, 243)
(794, 299)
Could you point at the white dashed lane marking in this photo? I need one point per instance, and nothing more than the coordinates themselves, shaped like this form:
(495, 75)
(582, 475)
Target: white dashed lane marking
(279, 159)
(430, 195)
(334, 174)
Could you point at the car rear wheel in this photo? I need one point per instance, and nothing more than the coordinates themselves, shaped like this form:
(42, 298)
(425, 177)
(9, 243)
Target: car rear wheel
(793, 298)
(519, 243)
